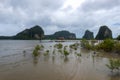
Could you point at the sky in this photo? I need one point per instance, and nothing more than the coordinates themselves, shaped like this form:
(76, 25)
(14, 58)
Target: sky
(54, 15)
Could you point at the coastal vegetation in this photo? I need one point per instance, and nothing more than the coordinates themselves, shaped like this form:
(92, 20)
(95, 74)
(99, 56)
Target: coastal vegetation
(114, 64)
(107, 45)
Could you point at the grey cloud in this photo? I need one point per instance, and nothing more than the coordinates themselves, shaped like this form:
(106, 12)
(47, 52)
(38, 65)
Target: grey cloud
(95, 5)
(37, 4)
(17, 15)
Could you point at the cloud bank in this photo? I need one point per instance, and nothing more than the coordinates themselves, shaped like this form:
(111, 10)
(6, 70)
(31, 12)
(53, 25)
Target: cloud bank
(54, 15)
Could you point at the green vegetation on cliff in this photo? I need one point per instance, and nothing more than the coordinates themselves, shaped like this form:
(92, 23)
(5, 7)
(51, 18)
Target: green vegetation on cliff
(61, 35)
(104, 33)
(35, 32)
(88, 35)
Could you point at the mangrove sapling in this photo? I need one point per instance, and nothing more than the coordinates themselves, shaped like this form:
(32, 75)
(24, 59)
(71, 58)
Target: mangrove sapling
(35, 51)
(58, 46)
(38, 47)
(85, 44)
(46, 53)
(114, 64)
(66, 53)
(74, 46)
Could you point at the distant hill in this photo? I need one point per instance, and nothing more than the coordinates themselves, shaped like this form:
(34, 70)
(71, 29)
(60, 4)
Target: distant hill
(103, 33)
(61, 35)
(6, 37)
(35, 32)
(88, 35)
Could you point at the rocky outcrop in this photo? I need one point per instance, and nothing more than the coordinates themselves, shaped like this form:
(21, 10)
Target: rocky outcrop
(88, 35)
(35, 32)
(104, 32)
(61, 35)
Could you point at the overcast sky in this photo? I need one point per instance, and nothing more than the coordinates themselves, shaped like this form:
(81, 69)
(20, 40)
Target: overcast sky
(54, 15)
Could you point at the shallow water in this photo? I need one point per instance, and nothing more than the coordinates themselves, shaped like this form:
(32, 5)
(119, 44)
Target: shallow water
(17, 62)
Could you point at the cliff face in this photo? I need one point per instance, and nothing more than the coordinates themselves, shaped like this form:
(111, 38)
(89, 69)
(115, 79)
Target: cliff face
(104, 32)
(88, 35)
(35, 32)
(61, 35)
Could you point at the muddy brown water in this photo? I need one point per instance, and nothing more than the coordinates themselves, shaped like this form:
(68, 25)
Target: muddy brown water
(17, 62)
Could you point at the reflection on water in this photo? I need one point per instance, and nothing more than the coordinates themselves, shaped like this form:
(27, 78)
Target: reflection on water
(18, 63)
(66, 59)
(35, 61)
